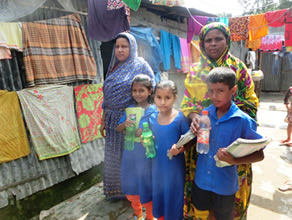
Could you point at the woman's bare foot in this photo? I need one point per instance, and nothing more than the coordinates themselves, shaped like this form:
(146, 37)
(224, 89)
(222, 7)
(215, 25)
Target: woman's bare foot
(285, 141)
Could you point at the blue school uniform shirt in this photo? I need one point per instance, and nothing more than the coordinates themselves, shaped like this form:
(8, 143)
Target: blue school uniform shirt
(234, 124)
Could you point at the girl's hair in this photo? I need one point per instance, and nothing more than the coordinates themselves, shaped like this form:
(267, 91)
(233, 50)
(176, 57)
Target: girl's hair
(166, 84)
(222, 75)
(146, 81)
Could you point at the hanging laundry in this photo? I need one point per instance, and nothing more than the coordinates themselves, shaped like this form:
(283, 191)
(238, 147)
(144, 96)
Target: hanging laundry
(288, 28)
(195, 24)
(254, 45)
(13, 138)
(212, 19)
(170, 45)
(5, 53)
(276, 18)
(104, 25)
(133, 4)
(11, 35)
(50, 117)
(89, 99)
(186, 58)
(148, 47)
(238, 28)
(224, 20)
(257, 27)
(271, 43)
(114, 4)
(195, 51)
(168, 2)
(56, 51)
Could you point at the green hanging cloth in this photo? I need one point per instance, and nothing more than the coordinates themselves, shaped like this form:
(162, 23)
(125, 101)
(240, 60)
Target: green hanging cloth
(133, 4)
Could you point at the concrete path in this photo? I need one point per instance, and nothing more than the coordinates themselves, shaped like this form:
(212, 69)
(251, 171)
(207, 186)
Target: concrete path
(267, 202)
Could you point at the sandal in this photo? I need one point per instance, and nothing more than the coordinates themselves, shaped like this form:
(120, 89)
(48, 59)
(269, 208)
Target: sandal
(287, 186)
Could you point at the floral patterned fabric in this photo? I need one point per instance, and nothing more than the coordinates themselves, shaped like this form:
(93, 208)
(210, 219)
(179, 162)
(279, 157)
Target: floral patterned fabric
(89, 110)
(50, 118)
(196, 98)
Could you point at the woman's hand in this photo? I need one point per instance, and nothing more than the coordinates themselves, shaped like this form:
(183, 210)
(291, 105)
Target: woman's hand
(195, 122)
(102, 128)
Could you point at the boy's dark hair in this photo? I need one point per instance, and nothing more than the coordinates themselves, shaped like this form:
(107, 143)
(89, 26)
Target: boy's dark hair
(166, 84)
(146, 81)
(222, 75)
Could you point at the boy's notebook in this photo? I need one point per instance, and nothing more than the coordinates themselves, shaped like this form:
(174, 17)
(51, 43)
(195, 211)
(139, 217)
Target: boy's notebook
(242, 147)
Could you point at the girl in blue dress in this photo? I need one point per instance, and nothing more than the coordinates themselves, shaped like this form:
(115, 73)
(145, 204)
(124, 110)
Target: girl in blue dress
(168, 176)
(136, 168)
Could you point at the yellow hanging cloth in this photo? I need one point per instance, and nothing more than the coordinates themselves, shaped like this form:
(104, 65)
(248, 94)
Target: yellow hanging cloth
(13, 138)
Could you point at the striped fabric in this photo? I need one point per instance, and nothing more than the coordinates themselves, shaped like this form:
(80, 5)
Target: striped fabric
(56, 51)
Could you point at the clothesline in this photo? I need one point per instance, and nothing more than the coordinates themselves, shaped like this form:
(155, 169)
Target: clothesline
(244, 31)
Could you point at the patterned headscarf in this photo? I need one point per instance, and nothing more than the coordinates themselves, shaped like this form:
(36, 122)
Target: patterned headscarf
(133, 51)
(204, 31)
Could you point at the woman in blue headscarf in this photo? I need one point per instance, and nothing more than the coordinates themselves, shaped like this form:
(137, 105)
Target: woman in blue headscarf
(124, 66)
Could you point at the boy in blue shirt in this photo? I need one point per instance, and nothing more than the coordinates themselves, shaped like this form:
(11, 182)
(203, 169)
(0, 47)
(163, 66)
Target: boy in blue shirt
(215, 187)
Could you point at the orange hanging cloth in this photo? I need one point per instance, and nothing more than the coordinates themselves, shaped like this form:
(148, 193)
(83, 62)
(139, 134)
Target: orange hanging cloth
(257, 27)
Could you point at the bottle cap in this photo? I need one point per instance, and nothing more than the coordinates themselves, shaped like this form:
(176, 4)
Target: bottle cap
(205, 112)
(145, 124)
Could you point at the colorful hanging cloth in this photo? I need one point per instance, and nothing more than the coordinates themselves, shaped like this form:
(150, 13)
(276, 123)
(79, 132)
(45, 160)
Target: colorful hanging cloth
(148, 46)
(238, 28)
(276, 18)
(257, 27)
(195, 51)
(271, 43)
(50, 117)
(170, 45)
(89, 99)
(104, 25)
(254, 45)
(195, 24)
(186, 58)
(212, 19)
(168, 2)
(224, 20)
(5, 53)
(13, 139)
(114, 4)
(133, 4)
(288, 28)
(11, 35)
(56, 51)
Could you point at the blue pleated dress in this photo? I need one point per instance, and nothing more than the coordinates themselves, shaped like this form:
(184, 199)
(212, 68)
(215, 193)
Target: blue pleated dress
(136, 176)
(168, 176)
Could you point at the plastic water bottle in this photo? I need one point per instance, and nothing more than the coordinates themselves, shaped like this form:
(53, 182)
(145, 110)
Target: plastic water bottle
(148, 141)
(203, 137)
(130, 135)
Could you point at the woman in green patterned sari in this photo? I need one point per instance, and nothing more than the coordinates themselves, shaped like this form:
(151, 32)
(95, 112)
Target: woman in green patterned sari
(215, 43)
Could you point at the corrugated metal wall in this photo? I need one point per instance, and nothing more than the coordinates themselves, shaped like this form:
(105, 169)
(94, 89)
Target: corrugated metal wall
(280, 81)
(28, 175)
